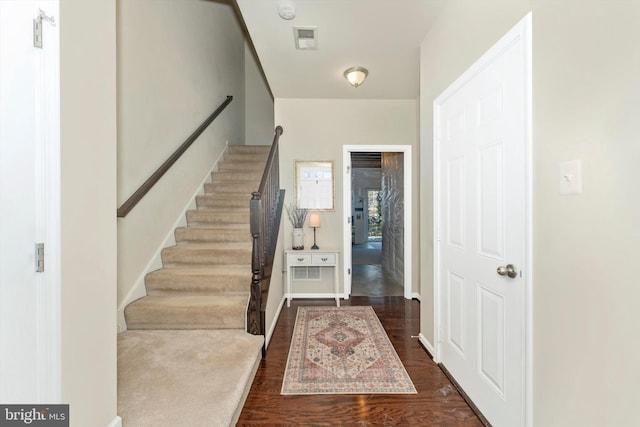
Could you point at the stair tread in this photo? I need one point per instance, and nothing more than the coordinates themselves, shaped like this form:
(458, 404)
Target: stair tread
(190, 300)
(230, 269)
(196, 246)
(210, 395)
(236, 176)
(241, 147)
(232, 183)
(229, 210)
(235, 226)
(225, 195)
(245, 157)
(219, 192)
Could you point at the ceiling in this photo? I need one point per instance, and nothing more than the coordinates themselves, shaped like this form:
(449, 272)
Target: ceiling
(383, 36)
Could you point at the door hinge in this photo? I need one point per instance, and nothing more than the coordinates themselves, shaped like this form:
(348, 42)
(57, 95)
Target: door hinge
(348, 271)
(348, 169)
(39, 257)
(37, 27)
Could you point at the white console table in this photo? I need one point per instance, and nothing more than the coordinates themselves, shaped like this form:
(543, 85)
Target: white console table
(312, 258)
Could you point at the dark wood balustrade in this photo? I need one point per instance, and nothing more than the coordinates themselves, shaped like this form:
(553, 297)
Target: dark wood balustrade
(266, 212)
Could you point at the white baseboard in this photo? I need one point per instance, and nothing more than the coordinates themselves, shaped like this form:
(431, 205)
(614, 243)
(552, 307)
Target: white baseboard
(310, 295)
(117, 422)
(138, 290)
(267, 339)
(425, 342)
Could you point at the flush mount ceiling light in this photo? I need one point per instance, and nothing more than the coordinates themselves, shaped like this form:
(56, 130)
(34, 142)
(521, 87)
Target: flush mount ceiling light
(356, 75)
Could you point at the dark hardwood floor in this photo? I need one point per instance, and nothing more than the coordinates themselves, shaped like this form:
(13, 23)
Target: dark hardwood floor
(436, 404)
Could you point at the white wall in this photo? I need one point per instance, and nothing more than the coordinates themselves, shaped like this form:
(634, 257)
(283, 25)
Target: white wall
(177, 61)
(317, 129)
(586, 99)
(259, 126)
(276, 288)
(88, 233)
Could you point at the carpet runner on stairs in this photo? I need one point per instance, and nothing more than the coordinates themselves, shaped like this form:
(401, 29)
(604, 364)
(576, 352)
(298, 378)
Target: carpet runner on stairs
(186, 358)
(196, 378)
(206, 276)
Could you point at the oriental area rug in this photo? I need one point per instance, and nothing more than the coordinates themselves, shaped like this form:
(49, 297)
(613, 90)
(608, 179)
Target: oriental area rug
(342, 350)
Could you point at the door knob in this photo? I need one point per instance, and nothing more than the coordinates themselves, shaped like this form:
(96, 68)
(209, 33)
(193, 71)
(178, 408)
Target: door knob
(507, 270)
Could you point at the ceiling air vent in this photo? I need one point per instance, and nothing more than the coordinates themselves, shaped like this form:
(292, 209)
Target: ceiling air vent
(306, 37)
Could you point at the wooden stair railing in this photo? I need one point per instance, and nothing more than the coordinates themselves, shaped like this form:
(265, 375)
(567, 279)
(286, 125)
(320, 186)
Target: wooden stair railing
(155, 177)
(266, 211)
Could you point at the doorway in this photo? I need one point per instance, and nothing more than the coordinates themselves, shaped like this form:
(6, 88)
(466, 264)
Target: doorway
(376, 248)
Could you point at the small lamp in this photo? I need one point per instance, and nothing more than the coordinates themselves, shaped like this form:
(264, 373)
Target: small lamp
(356, 75)
(314, 222)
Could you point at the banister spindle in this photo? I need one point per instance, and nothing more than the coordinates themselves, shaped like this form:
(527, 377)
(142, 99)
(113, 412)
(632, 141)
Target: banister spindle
(266, 209)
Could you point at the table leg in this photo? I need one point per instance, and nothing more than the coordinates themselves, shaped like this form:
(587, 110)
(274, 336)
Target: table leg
(288, 287)
(336, 284)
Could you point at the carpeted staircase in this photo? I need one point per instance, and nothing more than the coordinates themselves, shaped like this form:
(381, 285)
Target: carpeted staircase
(205, 279)
(203, 285)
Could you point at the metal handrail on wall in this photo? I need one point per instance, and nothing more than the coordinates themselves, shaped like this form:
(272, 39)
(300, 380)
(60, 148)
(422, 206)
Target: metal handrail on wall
(155, 177)
(266, 211)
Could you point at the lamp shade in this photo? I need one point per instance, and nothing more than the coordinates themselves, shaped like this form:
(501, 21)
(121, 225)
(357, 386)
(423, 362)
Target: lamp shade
(314, 221)
(356, 75)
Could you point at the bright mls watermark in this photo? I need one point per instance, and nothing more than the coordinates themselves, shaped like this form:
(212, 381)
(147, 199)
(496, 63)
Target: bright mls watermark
(34, 415)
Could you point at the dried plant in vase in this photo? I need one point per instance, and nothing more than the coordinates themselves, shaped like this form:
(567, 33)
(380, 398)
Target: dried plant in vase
(297, 216)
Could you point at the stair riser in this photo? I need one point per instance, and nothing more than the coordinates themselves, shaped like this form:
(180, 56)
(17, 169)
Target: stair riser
(241, 166)
(195, 218)
(175, 257)
(245, 157)
(215, 201)
(212, 235)
(228, 188)
(184, 317)
(248, 149)
(210, 281)
(221, 285)
(230, 176)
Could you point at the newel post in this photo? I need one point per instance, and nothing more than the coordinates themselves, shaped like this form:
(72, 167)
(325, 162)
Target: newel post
(254, 318)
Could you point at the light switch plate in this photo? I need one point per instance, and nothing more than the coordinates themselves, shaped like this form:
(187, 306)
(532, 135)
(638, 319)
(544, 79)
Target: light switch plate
(570, 177)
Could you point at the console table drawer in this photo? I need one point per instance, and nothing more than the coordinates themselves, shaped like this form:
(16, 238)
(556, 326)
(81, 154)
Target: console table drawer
(299, 259)
(323, 259)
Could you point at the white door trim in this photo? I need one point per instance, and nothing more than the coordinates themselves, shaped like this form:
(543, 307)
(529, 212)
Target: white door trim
(408, 217)
(522, 31)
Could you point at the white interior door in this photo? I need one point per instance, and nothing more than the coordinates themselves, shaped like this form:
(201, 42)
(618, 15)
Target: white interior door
(29, 205)
(481, 211)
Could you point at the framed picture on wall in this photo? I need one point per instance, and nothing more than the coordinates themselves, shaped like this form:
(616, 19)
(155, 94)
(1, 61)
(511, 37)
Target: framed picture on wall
(315, 185)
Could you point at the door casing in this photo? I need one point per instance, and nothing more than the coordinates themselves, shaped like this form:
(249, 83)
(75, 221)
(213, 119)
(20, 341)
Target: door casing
(346, 210)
